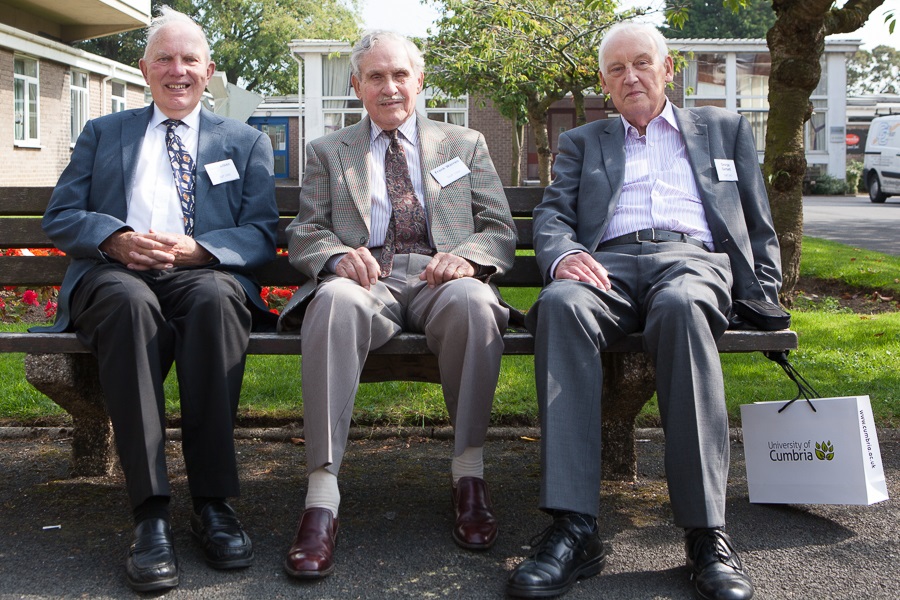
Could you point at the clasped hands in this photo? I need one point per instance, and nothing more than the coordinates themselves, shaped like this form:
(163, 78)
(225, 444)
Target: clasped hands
(583, 267)
(360, 266)
(155, 250)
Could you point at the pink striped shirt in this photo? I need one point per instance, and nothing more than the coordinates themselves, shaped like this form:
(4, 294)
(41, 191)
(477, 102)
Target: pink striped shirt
(659, 190)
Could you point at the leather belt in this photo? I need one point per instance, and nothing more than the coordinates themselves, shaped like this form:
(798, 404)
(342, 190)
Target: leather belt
(653, 235)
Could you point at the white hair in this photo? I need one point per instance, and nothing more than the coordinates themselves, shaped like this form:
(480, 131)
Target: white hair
(370, 39)
(628, 27)
(167, 16)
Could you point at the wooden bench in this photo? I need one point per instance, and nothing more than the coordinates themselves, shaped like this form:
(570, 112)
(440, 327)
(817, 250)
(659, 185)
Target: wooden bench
(60, 367)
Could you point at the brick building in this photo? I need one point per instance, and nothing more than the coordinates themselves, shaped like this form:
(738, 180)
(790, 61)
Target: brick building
(49, 90)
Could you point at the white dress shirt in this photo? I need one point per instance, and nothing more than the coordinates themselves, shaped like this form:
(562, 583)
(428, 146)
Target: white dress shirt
(154, 202)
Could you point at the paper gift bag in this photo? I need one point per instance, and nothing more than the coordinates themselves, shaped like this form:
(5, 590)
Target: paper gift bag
(801, 456)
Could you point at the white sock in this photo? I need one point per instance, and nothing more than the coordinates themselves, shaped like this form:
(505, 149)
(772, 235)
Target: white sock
(322, 491)
(468, 464)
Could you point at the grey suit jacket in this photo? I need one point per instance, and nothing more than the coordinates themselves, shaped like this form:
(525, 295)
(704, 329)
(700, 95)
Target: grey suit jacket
(470, 217)
(588, 177)
(235, 221)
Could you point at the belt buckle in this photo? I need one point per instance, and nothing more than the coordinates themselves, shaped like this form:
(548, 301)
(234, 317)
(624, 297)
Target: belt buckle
(653, 237)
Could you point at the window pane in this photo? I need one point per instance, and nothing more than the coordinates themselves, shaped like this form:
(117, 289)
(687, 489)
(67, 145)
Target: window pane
(19, 109)
(753, 74)
(758, 126)
(118, 89)
(32, 111)
(720, 102)
(706, 75)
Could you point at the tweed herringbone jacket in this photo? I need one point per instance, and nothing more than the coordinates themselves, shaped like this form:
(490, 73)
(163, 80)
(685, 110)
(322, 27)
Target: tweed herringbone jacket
(470, 217)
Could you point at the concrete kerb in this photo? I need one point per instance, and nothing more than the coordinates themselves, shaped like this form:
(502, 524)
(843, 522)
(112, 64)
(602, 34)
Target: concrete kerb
(293, 432)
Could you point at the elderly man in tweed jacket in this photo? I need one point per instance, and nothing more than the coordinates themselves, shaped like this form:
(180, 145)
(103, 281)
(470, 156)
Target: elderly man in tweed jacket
(370, 278)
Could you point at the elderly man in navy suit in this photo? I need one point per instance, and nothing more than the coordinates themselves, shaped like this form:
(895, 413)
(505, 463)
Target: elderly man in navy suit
(656, 221)
(165, 212)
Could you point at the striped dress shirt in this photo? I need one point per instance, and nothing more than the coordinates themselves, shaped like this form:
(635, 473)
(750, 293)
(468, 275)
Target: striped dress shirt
(659, 190)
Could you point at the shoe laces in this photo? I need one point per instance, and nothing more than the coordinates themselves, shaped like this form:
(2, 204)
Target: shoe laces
(559, 530)
(721, 550)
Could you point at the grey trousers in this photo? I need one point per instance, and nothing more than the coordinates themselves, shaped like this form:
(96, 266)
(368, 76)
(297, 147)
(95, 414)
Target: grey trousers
(679, 296)
(463, 323)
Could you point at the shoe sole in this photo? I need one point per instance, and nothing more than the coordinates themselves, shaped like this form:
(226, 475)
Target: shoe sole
(152, 586)
(586, 570)
(308, 574)
(464, 544)
(225, 565)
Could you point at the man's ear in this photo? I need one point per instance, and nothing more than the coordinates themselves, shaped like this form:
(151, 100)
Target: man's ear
(356, 85)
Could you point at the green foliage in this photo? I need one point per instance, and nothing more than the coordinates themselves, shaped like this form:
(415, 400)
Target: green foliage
(827, 185)
(249, 38)
(854, 177)
(522, 54)
(875, 72)
(718, 18)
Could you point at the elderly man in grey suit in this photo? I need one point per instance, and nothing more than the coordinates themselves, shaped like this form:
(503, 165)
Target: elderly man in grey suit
(165, 212)
(656, 220)
(402, 223)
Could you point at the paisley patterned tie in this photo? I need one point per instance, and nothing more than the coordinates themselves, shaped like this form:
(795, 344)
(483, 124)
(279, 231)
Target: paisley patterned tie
(407, 231)
(184, 169)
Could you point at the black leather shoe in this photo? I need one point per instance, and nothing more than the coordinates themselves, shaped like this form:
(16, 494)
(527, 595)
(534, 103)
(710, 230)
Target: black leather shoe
(569, 550)
(224, 542)
(151, 564)
(715, 566)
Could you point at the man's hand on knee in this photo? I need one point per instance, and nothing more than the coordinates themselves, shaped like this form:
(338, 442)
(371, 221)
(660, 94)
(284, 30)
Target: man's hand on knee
(583, 267)
(446, 267)
(360, 266)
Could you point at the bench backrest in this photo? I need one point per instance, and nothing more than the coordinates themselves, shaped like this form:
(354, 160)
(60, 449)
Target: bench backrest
(21, 209)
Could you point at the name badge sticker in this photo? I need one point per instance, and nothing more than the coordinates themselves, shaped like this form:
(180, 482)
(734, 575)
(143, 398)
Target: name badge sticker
(222, 171)
(725, 169)
(450, 171)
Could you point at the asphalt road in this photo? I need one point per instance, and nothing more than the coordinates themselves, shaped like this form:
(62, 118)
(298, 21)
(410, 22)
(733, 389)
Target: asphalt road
(855, 221)
(395, 528)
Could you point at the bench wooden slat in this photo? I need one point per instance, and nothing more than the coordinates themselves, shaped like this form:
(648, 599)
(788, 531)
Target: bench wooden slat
(23, 233)
(32, 271)
(15, 201)
(516, 342)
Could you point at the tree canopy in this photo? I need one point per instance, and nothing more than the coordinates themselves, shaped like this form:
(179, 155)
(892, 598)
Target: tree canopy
(875, 72)
(249, 38)
(522, 54)
(711, 19)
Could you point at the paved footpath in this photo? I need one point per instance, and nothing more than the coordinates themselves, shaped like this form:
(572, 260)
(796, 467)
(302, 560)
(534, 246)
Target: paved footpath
(396, 519)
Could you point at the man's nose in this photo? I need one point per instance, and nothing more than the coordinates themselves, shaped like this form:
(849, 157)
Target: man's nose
(630, 75)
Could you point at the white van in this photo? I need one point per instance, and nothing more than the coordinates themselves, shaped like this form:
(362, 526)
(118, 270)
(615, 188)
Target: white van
(881, 170)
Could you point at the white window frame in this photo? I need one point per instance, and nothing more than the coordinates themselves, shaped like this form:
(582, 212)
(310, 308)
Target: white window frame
(80, 102)
(117, 103)
(439, 107)
(27, 138)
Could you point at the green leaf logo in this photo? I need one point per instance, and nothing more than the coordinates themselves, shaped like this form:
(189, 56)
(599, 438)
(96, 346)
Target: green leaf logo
(824, 450)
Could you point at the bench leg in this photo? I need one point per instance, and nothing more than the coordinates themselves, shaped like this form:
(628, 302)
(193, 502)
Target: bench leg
(72, 381)
(629, 382)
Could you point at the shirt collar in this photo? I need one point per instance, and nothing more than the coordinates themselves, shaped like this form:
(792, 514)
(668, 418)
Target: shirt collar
(192, 120)
(408, 129)
(667, 114)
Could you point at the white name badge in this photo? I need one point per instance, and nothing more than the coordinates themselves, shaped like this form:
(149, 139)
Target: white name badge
(450, 171)
(222, 171)
(725, 169)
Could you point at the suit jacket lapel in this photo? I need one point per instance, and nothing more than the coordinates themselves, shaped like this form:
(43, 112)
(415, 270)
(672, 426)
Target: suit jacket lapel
(432, 154)
(210, 149)
(356, 145)
(612, 148)
(696, 140)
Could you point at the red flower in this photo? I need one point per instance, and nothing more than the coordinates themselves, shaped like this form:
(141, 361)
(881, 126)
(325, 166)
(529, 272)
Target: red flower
(30, 297)
(50, 309)
(2, 304)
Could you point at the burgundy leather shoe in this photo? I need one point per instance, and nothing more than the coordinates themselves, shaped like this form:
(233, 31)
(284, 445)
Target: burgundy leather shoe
(312, 554)
(476, 525)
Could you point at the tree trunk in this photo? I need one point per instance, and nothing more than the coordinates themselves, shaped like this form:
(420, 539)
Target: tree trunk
(515, 177)
(578, 99)
(538, 122)
(796, 43)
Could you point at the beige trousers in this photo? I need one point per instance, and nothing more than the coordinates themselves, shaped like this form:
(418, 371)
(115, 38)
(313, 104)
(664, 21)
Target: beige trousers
(463, 323)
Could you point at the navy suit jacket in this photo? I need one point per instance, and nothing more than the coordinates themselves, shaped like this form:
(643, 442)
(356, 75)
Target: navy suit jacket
(235, 221)
(589, 173)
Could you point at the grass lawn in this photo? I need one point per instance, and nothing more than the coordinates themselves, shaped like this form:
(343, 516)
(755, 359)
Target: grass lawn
(841, 354)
